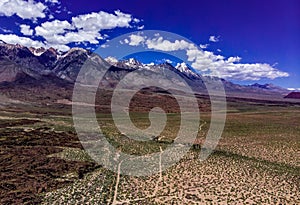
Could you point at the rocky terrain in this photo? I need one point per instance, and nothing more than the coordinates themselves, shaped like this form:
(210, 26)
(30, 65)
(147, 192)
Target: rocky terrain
(293, 95)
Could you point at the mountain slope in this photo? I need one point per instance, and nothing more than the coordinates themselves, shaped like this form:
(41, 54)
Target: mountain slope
(11, 71)
(269, 87)
(293, 95)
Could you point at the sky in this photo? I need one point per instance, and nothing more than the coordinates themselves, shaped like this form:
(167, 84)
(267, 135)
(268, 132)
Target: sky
(249, 41)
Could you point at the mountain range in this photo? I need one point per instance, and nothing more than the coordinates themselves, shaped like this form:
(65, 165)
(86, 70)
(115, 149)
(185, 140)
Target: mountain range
(25, 69)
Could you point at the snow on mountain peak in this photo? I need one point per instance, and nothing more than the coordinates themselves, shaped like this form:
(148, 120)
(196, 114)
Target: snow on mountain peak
(183, 67)
(135, 64)
(111, 60)
(132, 61)
(37, 51)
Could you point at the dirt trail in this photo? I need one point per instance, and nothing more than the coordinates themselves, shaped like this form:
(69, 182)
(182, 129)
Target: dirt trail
(142, 198)
(156, 189)
(117, 184)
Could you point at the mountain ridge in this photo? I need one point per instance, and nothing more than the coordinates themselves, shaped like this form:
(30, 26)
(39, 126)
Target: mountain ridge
(18, 61)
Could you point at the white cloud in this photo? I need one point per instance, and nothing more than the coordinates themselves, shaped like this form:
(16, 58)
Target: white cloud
(135, 40)
(24, 9)
(159, 43)
(294, 89)
(233, 59)
(255, 71)
(214, 38)
(83, 28)
(49, 29)
(136, 20)
(14, 39)
(62, 32)
(141, 27)
(60, 47)
(102, 20)
(216, 65)
(53, 1)
(111, 59)
(25, 29)
(207, 62)
(203, 46)
(104, 46)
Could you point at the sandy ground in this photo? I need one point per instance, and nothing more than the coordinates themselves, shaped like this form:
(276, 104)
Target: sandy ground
(218, 180)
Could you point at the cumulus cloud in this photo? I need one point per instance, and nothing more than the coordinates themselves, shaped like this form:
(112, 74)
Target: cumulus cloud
(82, 28)
(203, 46)
(158, 43)
(111, 59)
(50, 29)
(14, 39)
(239, 71)
(214, 38)
(62, 32)
(26, 30)
(207, 62)
(135, 40)
(24, 9)
(230, 68)
(102, 20)
(104, 46)
(294, 89)
(233, 59)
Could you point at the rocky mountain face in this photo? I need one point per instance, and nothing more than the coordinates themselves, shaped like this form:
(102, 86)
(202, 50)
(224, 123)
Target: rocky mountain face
(11, 71)
(293, 95)
(40, 65)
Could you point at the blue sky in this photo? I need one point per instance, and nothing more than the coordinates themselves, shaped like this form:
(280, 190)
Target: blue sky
(261, 37)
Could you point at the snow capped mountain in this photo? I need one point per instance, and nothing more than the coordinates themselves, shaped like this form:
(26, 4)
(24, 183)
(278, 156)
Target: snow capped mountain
(182, 67)
(132, 63)
(22, 56)
(37, 51)
(18, 61)
(111, 60)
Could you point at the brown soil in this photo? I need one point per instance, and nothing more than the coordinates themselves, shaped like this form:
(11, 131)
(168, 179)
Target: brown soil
(27, 171)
